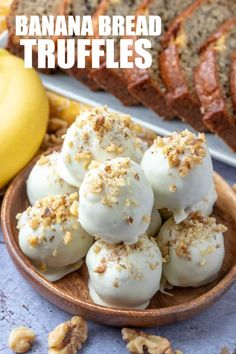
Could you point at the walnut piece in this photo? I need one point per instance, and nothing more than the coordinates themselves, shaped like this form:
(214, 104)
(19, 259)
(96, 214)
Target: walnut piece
(21, 339)
(139, 342)
(68, 337)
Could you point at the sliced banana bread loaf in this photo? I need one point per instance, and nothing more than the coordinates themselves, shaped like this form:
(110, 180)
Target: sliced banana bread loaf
(212, 82)
(90, 8)
(113, 80)
(233, 79)
(147, 85)
(28, 8)
(183, 41)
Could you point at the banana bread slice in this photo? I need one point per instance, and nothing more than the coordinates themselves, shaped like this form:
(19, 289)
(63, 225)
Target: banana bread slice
(183, 41)
(113, 80)
(29, 8)
(212, 82)
(89, 8)
(233, 80)
(147, 85)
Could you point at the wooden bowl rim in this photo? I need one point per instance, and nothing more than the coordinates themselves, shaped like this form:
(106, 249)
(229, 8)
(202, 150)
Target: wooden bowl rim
(26, 267)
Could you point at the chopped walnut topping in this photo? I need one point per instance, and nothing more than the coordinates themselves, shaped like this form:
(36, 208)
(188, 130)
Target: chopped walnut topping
(139, 342)
(34, 224)
(102, 267)
(208, 251)
(203, 263)
(43, 160)
(119, 255)
(153, 266)
(68, 337)
(33, 241)
(102, 121)
(173, 188)
(86, 157)
(54, 253)
(43, 267)
(116, 284)
(68, 158)
(96, 249)
(195, 228)
(94, 164)
(18, 216)
(67, 238)
(50, 211)
(74, 209)
(21, 339)
(115, 148)
(147, 219)
(129, 219)
(110, 180)
(183, 150)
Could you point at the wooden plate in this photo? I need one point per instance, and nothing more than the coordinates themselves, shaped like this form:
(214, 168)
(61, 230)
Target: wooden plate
(71, 292)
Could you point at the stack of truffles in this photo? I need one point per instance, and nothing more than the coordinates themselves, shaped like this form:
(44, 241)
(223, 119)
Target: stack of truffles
(137, 214)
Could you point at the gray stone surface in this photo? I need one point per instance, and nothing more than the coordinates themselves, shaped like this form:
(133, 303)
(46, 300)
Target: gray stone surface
(20, 305)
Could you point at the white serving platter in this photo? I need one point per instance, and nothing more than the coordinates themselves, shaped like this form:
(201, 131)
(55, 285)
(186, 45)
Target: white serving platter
(71, 88)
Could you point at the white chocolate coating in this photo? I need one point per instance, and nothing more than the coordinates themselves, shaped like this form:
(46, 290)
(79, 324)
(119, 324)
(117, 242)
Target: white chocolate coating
(194, 251)
(124, 276)
(44, 180)
(54, 274)
(51, 236)
(205, 206)
(97, 135)
(179, 180)
(116, 201)
(155, 223)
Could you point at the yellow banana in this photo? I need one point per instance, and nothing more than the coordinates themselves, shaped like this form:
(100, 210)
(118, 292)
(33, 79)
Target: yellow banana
(24, 111)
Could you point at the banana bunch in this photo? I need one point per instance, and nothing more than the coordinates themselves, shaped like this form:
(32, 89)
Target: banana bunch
(24, 111)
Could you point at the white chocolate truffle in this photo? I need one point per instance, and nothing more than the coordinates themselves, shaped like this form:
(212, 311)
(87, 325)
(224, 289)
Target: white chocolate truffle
(97, 134)
(155, 223)
(51, 236)
(116, 201)
(125, 276)
(179, 169)
(44, 180)
(193, 250)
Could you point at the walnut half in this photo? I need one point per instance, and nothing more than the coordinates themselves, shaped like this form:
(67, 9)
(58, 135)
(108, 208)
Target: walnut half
(21, 339)
(139, 342)
(68, 337)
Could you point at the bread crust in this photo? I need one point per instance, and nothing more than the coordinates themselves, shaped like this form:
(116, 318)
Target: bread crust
(142, 86)
(115, 80)
(83, 74)
(209, 91)
(178, 94)
(233, 82)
